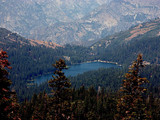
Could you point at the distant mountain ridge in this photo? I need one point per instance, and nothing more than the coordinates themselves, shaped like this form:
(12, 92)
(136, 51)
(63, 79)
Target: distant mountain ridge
(26, 16)
(118, 15)
(123, 46)
(38, 20)
(148, 29)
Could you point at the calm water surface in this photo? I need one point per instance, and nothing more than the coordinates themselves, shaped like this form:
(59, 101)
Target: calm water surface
(76, 69)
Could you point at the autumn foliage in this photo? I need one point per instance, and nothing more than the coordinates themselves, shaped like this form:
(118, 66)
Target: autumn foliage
(8, 104)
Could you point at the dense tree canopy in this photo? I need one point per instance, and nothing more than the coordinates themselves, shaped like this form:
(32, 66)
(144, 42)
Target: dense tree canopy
(8, 105)
(132, 105)
(61, 93)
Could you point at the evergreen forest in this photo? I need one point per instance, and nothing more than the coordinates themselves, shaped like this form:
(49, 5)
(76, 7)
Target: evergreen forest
(134, 96)
(129, 92)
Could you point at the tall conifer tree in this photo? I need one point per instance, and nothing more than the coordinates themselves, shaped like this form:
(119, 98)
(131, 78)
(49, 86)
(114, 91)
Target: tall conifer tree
(61, 92)
(8, 104)
(5, 83)
(131, 106)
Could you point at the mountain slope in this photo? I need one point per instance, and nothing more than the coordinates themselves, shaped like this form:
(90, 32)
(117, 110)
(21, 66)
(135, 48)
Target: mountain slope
(27, 57)
(122, 47)
(26, 16)
(117, 16)
(27, 60)
(7, 38)
(74, 21)
(30, 58)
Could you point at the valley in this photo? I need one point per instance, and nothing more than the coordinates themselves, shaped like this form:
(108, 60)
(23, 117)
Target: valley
(79, 59)
(77, 69)
(31, 58)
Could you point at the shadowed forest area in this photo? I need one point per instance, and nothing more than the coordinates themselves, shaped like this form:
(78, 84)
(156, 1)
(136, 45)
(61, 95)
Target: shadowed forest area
(131, 101)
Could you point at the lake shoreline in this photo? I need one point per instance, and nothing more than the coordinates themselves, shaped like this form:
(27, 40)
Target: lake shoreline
(68, 66)
(101, 61)
(86, 65)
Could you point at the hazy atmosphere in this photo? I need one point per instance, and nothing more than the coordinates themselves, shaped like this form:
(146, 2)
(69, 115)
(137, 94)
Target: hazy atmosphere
(79, 59)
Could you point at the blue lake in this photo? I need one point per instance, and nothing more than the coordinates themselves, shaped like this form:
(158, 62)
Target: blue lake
(76, 69)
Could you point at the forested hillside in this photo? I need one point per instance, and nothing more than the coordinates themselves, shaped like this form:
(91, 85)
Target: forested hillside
(40, 38)
(30, 59)
(90, 95)
(64, 102)
(123, 46)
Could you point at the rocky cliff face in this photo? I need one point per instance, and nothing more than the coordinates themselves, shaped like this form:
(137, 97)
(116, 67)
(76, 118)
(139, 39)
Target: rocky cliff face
(106, 20)
(69, 22)
(25, 16)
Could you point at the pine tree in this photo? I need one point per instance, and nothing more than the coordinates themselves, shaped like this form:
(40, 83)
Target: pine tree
(131, 106)
(40, 106)
(8, 103)
(61, 92)
(14, 114)
(5, 83)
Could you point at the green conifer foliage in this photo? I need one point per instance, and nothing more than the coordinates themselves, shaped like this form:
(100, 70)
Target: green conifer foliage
(61, 92)
(131, 105)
